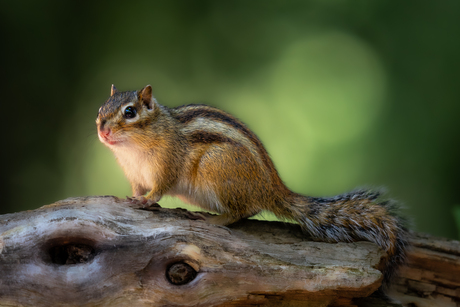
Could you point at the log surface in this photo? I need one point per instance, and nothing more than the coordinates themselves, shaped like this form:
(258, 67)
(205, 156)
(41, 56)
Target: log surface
(432, 274)
(103, 251)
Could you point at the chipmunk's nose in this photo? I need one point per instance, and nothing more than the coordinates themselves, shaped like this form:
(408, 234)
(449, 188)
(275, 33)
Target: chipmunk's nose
(103, 130)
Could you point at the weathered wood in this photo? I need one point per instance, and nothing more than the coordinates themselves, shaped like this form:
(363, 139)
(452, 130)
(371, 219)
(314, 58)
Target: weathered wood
(100, 251)
(432, 274)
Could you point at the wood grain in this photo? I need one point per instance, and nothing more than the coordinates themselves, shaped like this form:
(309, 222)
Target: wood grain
(106, 251)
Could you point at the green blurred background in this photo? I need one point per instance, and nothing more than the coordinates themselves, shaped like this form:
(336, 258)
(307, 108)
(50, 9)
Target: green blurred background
(343, 94)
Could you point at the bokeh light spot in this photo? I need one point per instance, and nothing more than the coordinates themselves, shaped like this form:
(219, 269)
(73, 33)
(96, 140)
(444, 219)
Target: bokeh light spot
(332, 84)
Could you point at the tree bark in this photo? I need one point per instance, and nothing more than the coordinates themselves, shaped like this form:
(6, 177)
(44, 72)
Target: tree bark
(105, 251)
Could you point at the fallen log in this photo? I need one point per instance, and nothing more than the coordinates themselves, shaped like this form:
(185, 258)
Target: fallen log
(105, 251)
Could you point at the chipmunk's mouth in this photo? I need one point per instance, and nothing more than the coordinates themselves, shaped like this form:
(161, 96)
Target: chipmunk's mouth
(110, 140)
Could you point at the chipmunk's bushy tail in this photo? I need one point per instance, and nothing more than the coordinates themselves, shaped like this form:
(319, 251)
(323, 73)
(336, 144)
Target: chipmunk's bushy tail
(354, 216)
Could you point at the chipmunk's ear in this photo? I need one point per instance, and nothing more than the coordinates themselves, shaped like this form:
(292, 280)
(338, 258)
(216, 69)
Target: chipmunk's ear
(113, 90)
(146, 96)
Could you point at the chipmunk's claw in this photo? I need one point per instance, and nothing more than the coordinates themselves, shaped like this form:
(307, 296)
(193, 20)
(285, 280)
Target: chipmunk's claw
(141, 202)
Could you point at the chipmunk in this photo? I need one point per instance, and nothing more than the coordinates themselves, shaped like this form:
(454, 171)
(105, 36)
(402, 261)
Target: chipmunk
(209, 158)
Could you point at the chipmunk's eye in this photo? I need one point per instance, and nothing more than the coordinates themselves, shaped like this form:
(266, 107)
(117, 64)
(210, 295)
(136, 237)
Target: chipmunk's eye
(130, 112)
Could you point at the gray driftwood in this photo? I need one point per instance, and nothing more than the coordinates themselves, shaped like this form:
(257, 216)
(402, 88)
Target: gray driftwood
(102, 251)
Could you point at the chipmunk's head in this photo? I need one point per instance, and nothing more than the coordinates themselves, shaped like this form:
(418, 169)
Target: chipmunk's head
(122, 119)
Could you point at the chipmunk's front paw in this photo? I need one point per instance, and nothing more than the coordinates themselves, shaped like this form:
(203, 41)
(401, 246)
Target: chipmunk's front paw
(141, 202)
